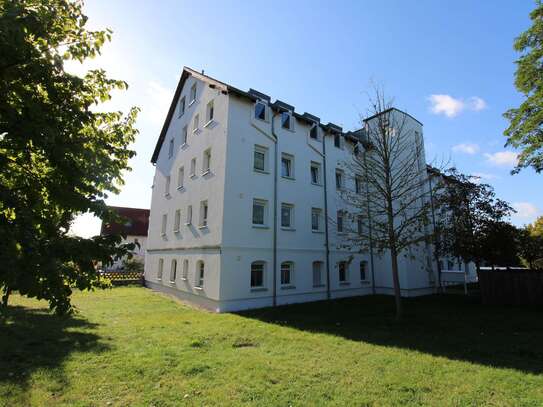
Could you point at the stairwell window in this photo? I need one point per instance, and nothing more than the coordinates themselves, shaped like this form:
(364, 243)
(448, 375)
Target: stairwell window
(189, 215)
(315, 173)
(196, 123)
(286, 120)
(286, 273)
(180, 177)
(164, 224)
(170, 148)
(192, 94)
(193, 167)
(206, 162)
(177, 221)
(181, 106)
(317, 273)
(160, 269)
(342, 272)
(173, 271)
(210, 110)
(184, 136)
(260, 111)
(316, 215)
(287, 166)
(259, 212)
(340, 218)
(257, 274)
(363, 271)
(203, 214)
(287, 216)
(260, 159)
(200, 274)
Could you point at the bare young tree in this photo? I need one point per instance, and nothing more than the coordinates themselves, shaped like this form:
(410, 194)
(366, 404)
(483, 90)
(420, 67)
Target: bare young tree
(390, 206)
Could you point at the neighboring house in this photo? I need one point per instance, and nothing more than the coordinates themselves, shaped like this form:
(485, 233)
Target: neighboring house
(245, 210)
(135, 230)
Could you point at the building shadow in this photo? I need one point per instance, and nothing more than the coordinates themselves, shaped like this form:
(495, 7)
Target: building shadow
(451, 326)
(35, 339)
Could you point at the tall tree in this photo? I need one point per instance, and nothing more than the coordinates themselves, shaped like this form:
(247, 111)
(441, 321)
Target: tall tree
(59, 155)
(525, 130)
(389, 205)
(471, 221)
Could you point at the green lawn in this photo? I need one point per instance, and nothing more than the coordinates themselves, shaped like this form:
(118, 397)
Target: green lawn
(131, 346)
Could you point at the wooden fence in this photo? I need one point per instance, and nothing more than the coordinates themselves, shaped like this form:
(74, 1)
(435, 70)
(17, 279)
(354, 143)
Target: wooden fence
(123, 277)
(511, 287)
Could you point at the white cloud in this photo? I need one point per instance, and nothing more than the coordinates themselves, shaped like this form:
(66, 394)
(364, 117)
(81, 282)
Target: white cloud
(483, 177)
(526, 211)
(452, 107)
(502, 158)
(466, 148)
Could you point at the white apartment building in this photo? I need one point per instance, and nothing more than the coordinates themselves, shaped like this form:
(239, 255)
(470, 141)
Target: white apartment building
(245, 209)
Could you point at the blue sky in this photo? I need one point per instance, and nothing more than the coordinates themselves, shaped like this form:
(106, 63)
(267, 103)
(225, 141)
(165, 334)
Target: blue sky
(448, 63)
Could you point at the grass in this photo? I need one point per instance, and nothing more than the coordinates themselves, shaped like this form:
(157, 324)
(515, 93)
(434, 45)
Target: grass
(131, 346)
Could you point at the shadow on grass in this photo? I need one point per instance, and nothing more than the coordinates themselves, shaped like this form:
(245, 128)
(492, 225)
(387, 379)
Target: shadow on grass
(34, 339)
(455, 327)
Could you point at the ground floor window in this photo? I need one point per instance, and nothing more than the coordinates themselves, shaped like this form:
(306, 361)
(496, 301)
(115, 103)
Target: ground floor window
(363, 271)
(173, 271)
(317, 273)
(200, 270)
(257, 274)
(160, 269)
(286, 272)
(342, 268)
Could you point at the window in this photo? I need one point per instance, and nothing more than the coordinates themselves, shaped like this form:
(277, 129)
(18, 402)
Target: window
(177, 220)
(315, 173)
(356, 150)
(164, 224)
(339, 179)
(184, 135)
(339, 221)
(209, 112)
(173, 271)
(196, 123)
(160, 269)
(360, 224)
(189, 215)
(193, 167)
(257, 274)
(185, 274)
(200, 270)
(287, 164)
(285, 120)
(314, 132)
(260, 154)
(337, 140)
(317, 273)
(206, 162)
(259, 212)
(170, 149)
(260, 111)
(180, 177)
(181, 106)
(342, 270)
(286, 272)
(167, 186)
(363, 273)
(450, 265)
(316, 215)
(192, 94)
(203, 213)
(358, 184)
(287, 215)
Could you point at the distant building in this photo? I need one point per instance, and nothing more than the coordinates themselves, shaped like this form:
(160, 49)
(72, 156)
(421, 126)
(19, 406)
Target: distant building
(135, 230)
(246, 210)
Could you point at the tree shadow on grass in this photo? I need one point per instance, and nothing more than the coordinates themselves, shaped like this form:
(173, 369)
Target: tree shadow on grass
(35, 339)
(455, 327)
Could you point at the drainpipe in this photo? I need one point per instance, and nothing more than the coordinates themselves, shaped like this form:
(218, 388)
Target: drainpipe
(326, 241)
(274, 286)
(370, 228)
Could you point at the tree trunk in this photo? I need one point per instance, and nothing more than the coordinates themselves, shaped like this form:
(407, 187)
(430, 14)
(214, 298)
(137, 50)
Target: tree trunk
(5, 297)
(396, 282)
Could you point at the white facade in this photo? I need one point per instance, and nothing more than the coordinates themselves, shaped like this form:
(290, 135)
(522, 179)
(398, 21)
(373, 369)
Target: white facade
(257, 236)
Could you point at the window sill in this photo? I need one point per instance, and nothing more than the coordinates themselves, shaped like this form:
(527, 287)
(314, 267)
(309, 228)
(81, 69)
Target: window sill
(260, 171)
(365, 282)
(344, 283)
(192, 176)
(202, 226)
(158, 279)
(260, 226)
(183, 279)
(318, 285)
(167, 195)
(288, 228)
(209, 123)
(194, 131)
(163, 234)
(206, 172)
(258, 289)
(288, 287)
(176, 231)
(198, 288)
(181, 188)
(183, 146)
(188, 223)
(317, 184)
(262, 120)
(289, 178)
(317, 231)
(172, 282)
(193, 101)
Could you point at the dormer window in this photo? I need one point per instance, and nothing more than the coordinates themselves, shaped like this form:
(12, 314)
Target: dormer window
(337, 141)
(286, 120)
(314, 133)
(260, 111)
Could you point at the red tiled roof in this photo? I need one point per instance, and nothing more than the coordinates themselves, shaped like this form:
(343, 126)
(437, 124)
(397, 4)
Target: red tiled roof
(137, 222)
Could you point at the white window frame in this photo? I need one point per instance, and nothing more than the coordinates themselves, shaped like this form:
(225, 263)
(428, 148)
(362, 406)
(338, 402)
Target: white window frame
(317, 282)
(204, 214)
(185, 272)
(167, 183)
(181, 178)
(363, 266)
(210, 112)
(259, 102)
(170, 148)
(289, 158)
(173, 270)
(192, 94)
(264, 151)
(339, 143)
(290, 208)
(290, 121)
(261, 264)
(358, 184)
(184, 135)
(264, 204)
(315, 128)
(177, 221)
(164, 224)
(200, 274)
(317, 166)
(188, 221)
(341, 175)
(346, 270)
(340, 220)
(318, 213)
(192, 167)
(182, 106)
(206, 162)
(160, 270)
(196, 123)
(287, 265)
